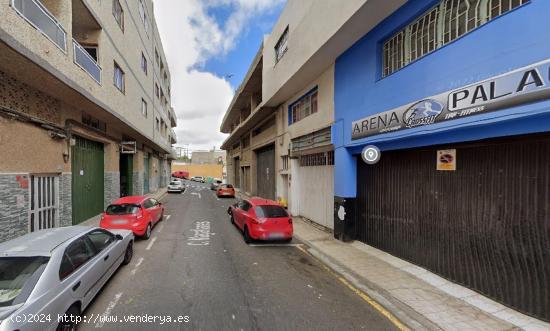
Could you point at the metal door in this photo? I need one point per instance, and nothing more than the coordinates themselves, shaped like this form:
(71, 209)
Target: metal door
(485, 225)
(146, 174)
(87, 179)
(44, 197)
(265, 178)
(126, 174)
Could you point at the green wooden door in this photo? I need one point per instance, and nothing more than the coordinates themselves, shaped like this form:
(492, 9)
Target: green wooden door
(87, 179)
(146, 174)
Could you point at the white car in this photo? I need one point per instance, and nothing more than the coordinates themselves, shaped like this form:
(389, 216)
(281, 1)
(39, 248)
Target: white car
(57, 272)
(176, 186)
(199, 179)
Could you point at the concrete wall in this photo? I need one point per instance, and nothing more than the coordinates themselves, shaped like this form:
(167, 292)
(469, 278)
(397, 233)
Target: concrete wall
(205, 170)
(114, 45)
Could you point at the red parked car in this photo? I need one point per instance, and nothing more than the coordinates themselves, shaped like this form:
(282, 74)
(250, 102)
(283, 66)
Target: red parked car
(225, 190)
(138, 214)
(261, 219)
(181, 174)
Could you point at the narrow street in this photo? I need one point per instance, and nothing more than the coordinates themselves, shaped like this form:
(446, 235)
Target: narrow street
(223, 284)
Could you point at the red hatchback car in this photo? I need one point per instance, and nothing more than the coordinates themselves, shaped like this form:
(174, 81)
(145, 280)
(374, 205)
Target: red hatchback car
(261, 219)
(225, 190)
(138, 214)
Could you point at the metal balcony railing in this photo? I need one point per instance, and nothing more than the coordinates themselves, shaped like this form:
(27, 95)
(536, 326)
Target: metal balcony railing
(41, 19)
(86, 62)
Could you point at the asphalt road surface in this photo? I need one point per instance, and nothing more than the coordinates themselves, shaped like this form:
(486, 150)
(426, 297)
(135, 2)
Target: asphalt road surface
(196, 273)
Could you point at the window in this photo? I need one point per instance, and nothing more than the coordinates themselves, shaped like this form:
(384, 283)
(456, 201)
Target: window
(282, 46)
(157, 58)
(18, 277)
(143, 63)
(317, 159)
(158, 124)
(100, 239)
(122, 209)
(304, 107)
(244, 205)
(143, 16)
(157, 90)
(44, 199)
(118, 13)
(444, 23)
(143, 108)
(119, 78)
(76, 255)
(270, 212)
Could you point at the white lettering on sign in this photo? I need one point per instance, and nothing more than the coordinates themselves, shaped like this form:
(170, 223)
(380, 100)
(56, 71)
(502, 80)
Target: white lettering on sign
(201, 234)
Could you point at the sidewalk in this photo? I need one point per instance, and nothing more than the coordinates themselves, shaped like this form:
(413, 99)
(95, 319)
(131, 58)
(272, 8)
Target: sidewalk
(419, 298)
(94, 221)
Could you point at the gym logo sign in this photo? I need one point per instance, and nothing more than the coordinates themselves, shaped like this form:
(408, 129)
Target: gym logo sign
(422, 113)
(525, 85)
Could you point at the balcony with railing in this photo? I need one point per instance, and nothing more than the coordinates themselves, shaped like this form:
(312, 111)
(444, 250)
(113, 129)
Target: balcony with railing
(85, 61)
(34, 12)
(86, 35)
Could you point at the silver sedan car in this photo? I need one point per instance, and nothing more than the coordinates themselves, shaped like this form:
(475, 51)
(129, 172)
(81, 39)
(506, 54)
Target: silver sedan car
(48, 277)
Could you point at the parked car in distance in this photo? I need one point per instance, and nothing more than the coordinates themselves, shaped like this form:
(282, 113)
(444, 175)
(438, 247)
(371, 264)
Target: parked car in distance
(176, 186)
(199, 179)
(181, 174)
(215, 184)
(138, 214)
(261, 219)
(57, 272)
(225, 190)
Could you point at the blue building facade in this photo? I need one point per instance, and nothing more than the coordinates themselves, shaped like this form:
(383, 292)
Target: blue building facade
(487, 90)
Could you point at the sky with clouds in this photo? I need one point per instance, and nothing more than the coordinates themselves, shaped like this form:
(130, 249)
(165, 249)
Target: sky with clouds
(209, 45)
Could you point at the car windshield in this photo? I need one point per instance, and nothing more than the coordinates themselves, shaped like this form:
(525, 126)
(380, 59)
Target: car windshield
(270, 211)
(122, 209)
(174, 183)
(18, 276)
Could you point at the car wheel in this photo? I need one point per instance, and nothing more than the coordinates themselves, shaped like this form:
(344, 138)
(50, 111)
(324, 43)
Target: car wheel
(147, 234)
(128, 254)
(69, 319)
(232, 219)
(247, 238)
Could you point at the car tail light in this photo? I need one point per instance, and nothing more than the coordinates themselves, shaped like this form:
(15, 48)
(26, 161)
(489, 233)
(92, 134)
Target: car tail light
(102, 216)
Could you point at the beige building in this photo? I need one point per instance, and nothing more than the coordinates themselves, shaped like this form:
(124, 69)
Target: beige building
(280, 142)
(85, 110)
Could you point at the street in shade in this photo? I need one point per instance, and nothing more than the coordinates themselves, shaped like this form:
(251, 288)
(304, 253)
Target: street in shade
(188, 261)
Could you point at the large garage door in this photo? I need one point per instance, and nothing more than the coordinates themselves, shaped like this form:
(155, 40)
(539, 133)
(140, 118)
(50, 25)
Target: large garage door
(485, 225)
(87, 179)
(266, 172)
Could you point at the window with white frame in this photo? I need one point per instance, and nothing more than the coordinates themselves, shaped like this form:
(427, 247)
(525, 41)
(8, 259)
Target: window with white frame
(304, 107)
(444, 23)
(44, 199)
(282, 46)
(119, 78)
(143, 15)
(118, 13)
(143, 107)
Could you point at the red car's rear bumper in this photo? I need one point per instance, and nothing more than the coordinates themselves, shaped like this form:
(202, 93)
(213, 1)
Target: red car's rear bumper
(138, 230)
(259, 232)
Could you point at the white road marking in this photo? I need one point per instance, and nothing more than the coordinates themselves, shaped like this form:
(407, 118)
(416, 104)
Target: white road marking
(140, 261)
(167, 217)
(198, 194)
(160, 228)
(108, 311)
(151, 243)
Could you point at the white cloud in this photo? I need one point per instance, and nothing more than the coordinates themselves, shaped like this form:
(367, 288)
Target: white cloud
(190, 37)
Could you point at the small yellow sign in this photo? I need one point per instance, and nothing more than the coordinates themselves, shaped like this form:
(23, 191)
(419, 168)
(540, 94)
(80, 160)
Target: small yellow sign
(446, 159)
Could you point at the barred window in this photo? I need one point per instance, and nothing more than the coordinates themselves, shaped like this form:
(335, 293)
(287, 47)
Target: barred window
(444, 23)
(284, 162)
(317, 159)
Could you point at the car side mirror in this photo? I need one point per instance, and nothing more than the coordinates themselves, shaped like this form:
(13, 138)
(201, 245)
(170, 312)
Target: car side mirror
(118, 237)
